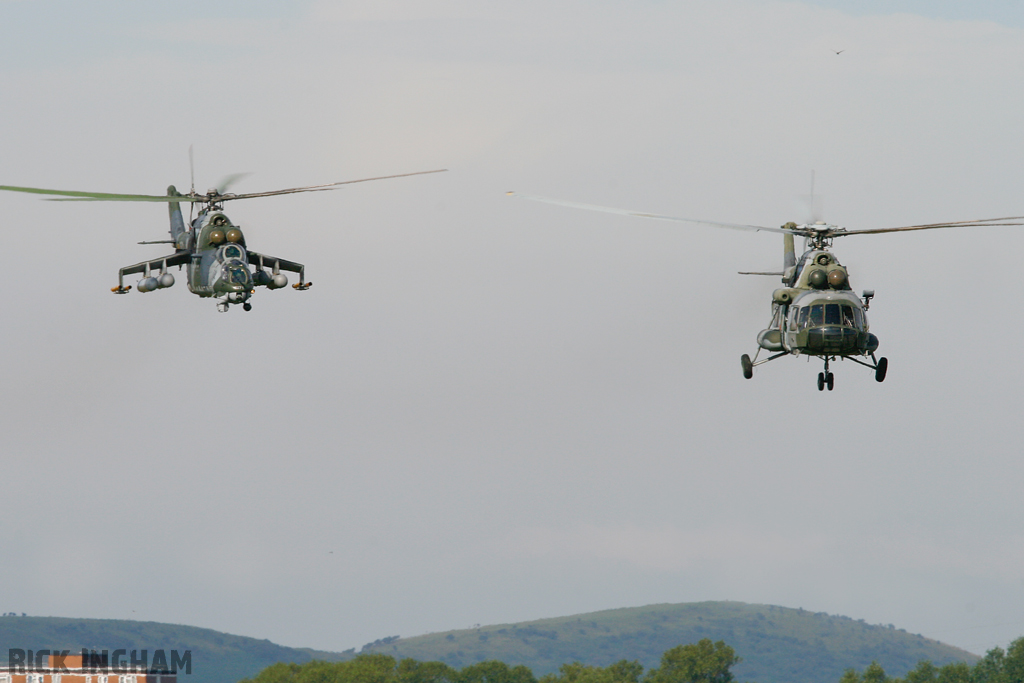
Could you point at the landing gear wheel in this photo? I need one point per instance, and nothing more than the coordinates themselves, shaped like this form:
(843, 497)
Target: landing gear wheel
(748, 367)
(830, 380)
(880, 368)
(821, 381)
(247, 306)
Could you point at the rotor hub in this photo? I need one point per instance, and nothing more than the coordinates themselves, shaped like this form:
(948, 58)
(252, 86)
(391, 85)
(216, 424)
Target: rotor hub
(820, 234)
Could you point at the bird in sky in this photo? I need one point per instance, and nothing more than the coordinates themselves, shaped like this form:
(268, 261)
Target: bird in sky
(839, 51)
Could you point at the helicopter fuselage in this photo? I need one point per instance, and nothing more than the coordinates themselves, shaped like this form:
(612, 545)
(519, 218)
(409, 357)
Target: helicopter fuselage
(219, 266)
(818, 314)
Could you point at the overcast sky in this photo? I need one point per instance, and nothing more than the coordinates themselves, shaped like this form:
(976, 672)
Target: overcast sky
(487, 410)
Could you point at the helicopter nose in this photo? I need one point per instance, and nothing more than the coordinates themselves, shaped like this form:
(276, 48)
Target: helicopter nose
(833, 339)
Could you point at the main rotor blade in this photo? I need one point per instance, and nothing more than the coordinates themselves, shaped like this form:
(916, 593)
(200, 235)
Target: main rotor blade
(328, 186)
(227, 181)
(978, 222)
(659, 217)
(74, 195)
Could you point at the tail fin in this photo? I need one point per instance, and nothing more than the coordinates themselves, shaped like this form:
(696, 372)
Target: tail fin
(788, 258)
(177, 221)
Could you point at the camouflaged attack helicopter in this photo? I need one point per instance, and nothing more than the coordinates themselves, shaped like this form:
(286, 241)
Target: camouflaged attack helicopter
(211, 247)
(816, 312)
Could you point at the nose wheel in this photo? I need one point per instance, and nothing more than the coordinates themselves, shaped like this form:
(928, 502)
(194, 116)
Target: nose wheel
(247, 306)
(826, 379)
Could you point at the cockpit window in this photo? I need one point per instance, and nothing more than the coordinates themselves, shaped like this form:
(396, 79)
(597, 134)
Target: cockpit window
(848, 315)
(817, 315)
(237, 274)
(232, 251)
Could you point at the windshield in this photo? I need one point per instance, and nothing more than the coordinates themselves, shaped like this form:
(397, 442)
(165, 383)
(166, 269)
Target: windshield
(848, 315)
(232, 251)
(817, 315)
(237, 274)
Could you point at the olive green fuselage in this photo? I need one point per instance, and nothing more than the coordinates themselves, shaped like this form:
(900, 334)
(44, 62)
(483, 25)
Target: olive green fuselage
(219, 266)
(818, 314)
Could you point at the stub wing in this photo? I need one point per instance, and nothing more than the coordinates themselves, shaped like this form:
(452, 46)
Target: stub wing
(276, 265)
(161, 264)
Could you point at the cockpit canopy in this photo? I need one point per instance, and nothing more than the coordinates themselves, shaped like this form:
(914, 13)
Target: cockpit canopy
(827, 313)
(236, 273)
(231, 251)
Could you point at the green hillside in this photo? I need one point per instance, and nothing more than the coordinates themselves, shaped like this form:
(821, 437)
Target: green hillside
(777, 644)
(216, 657)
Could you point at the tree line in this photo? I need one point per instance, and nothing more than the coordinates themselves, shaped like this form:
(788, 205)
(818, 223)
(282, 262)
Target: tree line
(997, 666)
(702, 662)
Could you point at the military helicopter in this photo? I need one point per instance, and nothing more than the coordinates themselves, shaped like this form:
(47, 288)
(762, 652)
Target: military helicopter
(212, 247)
(816, 312)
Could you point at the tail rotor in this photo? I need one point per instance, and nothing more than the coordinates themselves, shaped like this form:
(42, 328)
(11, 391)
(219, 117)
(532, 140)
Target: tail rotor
(810, 207)
(192, 176)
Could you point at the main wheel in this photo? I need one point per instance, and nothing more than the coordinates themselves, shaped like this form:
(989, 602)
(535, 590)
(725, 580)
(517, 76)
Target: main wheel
(748, 367)
(883, 365)
(247, 306)
(830, 380)
(821, 381)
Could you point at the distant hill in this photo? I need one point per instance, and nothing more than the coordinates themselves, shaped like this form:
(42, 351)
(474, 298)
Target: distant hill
(216, 657)
(777, 644)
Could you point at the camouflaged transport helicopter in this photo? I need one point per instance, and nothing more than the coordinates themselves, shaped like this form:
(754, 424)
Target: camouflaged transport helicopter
(212, 248)
(816, 313)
